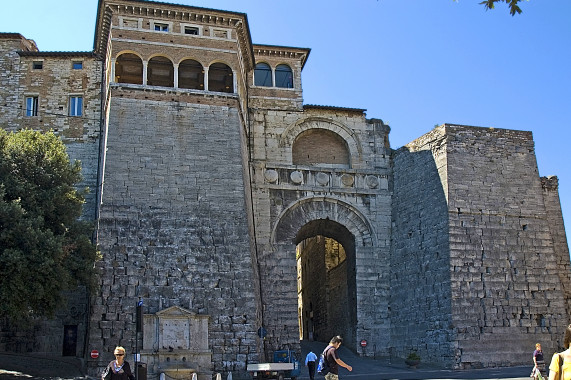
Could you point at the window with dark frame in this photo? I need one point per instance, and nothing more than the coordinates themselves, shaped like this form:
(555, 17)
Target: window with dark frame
(161, 27)
(75, 105)
(263, 75)
(31, 106)
(77, 65)
(284, 76)
(192, 30)
(37, 65)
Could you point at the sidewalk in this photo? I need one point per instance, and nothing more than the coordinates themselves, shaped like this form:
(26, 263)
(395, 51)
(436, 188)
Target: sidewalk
(26, 367)
(34, 367)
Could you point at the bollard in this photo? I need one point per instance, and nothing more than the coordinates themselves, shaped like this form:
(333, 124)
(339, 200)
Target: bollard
(162, 376)
(194, 376)
(218, 376)
(229, 376)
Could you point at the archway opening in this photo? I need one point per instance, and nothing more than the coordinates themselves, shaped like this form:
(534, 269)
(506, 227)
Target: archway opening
(327, 300)
(160, 72)
(129, 69)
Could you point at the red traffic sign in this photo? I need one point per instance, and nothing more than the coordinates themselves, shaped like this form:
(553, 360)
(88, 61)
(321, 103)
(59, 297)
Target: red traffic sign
(363, 343)
(94, 354)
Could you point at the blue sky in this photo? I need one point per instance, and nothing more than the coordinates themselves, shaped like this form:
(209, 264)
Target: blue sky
(413, 64)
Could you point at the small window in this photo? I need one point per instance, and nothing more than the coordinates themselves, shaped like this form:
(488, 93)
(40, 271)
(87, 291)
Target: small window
(192, 30)
(32, 106)
(220, 33)
(263, 75)
(38, 65)
(284, 76)
(75, 105)
(78, 65)
(130, 23)
(161, 27)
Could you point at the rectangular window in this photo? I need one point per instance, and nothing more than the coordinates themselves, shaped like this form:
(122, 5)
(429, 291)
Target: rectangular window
(191, 30)
(220, 33)
(31, 106)
(37, 65)
(75, 105)
(161, 27)
(77, 65)
(130, 23)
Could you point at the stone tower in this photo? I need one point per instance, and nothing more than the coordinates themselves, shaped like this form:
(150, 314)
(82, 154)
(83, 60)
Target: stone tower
(234, 220)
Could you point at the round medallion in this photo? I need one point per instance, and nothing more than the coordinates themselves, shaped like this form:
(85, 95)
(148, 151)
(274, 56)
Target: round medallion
(372, 181)
(322, 179)
(271, 175)
(347, 180)
(296, 177)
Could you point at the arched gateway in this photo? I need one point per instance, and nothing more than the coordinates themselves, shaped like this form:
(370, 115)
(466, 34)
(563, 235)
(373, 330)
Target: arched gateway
(326, 236)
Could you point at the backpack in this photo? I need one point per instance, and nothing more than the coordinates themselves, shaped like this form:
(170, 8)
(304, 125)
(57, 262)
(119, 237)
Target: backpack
(323, 366)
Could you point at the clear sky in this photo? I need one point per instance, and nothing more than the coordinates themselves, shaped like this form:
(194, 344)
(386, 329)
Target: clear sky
(412, 63)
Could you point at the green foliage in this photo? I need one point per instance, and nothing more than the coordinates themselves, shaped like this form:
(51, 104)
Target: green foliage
(413, 356)
(44, 248)
(513, 4)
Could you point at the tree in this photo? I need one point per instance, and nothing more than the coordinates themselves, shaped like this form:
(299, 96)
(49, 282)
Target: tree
(44, 248)
(513, 4)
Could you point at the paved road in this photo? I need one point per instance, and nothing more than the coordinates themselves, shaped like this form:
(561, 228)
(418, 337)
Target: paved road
(32, 367)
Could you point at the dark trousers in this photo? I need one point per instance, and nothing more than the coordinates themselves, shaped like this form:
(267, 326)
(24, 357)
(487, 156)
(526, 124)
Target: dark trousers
(311, 368)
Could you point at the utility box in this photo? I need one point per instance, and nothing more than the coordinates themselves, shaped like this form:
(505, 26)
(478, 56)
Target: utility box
(141, 371)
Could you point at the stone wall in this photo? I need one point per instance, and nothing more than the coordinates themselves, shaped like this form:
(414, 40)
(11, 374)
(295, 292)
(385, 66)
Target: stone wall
(557, 231)
(506, 294)
(478, 254)
(420, 294)
(173, 228)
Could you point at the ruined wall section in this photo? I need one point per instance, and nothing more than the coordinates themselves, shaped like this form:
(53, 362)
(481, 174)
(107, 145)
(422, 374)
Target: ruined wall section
(506, 292)
(557, 228)
(173, 228)
(420, 304)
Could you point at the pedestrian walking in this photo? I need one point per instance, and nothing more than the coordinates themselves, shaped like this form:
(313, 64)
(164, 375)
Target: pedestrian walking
(560, 367)
(310, 364)
(119, 368)
(333, 359)
(539, 364)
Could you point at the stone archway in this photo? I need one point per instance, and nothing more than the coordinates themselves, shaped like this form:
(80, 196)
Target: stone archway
(292, 219)
(334, 305)
(326, 281)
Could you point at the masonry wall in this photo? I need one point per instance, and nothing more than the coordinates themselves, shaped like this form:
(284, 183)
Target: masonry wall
(173, 228)
(550, 187)
(420, 294)
(506, 292)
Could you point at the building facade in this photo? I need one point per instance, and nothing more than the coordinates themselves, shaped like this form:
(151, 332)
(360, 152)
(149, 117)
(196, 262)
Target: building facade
(238, 220)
